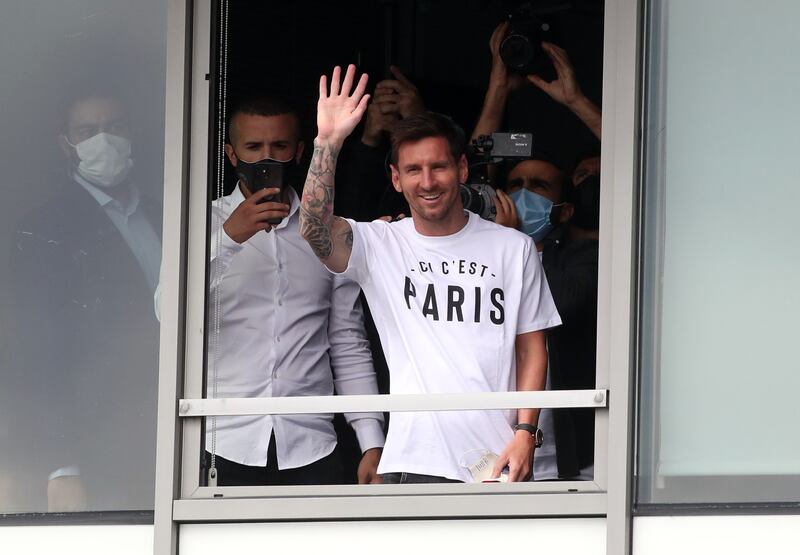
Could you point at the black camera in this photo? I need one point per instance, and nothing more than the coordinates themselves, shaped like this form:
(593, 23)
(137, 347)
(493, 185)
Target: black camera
(521, 49)
(478, 194)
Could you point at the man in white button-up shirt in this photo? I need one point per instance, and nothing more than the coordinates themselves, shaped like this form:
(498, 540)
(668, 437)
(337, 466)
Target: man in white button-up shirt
(285, 327)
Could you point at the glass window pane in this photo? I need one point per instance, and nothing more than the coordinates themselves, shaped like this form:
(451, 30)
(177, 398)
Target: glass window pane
(81, 153)
(269, 296)
(721, 260)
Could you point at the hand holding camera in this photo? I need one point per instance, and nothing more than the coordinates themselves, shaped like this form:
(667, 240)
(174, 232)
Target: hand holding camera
(564, 89)
(500, 77)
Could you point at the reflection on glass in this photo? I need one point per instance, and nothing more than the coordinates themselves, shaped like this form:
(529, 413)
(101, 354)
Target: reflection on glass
(720, 295)
(82, 244)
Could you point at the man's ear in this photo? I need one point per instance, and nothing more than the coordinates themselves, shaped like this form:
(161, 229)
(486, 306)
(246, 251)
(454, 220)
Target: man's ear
(231, 154)
(463, 169)
(66, 148)
(566, 212)
(395, 178)
(298, 155)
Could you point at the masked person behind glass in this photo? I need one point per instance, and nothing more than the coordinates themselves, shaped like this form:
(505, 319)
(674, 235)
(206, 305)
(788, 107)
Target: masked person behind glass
(561, 217)
(86, 265)
(287, 327)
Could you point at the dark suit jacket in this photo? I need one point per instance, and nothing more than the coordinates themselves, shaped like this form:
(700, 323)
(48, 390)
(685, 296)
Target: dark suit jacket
(571, 269)
(85, 351)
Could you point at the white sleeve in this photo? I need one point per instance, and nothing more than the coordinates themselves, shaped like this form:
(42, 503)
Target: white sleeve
(222, 250)
(351, 359)
(537, 311)
(361, 252)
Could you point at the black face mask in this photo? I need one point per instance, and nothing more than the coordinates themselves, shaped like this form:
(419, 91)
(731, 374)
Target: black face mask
(586, 199)
(266, 173)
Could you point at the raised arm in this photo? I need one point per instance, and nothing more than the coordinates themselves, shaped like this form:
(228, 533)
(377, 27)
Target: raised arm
(566, 91)
(501, 83)
(338, 112)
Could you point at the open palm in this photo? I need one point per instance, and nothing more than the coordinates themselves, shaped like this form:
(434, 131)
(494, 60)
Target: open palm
(338, 112)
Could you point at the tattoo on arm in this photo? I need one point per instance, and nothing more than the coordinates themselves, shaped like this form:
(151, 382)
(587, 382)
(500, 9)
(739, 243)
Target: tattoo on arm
(316, 209)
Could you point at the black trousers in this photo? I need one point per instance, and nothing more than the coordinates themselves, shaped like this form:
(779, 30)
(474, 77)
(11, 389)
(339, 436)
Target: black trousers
(327, 470)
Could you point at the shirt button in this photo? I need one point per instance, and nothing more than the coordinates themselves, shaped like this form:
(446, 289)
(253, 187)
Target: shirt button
(278, 339)
(280, 303)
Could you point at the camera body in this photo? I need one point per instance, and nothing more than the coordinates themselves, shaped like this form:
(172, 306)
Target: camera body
(529, 25)
(477, 194)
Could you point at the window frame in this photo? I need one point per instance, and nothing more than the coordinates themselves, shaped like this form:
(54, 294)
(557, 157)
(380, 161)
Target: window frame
(179, 496)
(680, 493)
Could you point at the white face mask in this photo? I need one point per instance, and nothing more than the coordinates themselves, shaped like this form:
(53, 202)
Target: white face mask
(105, 159)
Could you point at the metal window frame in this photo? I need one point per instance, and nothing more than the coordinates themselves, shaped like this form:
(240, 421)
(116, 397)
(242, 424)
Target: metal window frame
(179, 497)
(768, 493)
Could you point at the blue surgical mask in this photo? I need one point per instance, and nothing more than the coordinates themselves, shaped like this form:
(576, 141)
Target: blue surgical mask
(534, 213)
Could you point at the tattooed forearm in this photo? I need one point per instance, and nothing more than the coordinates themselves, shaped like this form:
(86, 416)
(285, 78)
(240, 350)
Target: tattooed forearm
(316, 232)
(316, 211)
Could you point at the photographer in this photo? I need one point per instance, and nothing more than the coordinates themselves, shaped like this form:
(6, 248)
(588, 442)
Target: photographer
(540, 202)
(564, 89)
(286, 326)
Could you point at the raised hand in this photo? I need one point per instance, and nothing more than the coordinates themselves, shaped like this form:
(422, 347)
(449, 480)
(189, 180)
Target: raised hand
(381, 117)
(399, 95)
(500, 77)
(394, 99)
(564, 89)
(338, 111)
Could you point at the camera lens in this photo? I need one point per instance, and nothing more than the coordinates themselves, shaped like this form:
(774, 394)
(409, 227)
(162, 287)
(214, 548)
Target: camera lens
(517, 51)
(471, 199)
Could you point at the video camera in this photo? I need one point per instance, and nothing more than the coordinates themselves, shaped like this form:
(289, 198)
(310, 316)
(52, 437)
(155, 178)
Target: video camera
(478, 194)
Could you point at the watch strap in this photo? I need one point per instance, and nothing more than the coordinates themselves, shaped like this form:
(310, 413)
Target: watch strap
(535, 432)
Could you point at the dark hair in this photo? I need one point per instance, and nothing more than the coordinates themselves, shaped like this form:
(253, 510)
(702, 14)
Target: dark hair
(538, 156)
(426, 125)
(583, 155)
(83, 92)
(262, 106)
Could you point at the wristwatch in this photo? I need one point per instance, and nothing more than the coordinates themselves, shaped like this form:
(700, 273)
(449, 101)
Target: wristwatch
(536, 433)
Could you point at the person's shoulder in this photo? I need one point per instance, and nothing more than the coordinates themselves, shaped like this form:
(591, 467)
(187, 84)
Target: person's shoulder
(497, 232)
(381, 228)
(65, 208)
(59, 224)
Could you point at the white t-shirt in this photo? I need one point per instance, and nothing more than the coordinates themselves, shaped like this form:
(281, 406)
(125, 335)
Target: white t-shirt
(448, 310)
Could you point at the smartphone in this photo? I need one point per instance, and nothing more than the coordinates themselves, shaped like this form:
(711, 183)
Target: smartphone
(267, 175)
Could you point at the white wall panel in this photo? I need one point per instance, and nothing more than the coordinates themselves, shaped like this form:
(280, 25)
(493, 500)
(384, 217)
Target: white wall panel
(563, 536)
(731, 535)
(77, 540)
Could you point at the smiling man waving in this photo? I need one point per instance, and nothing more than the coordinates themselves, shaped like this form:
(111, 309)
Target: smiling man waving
(461, 304)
